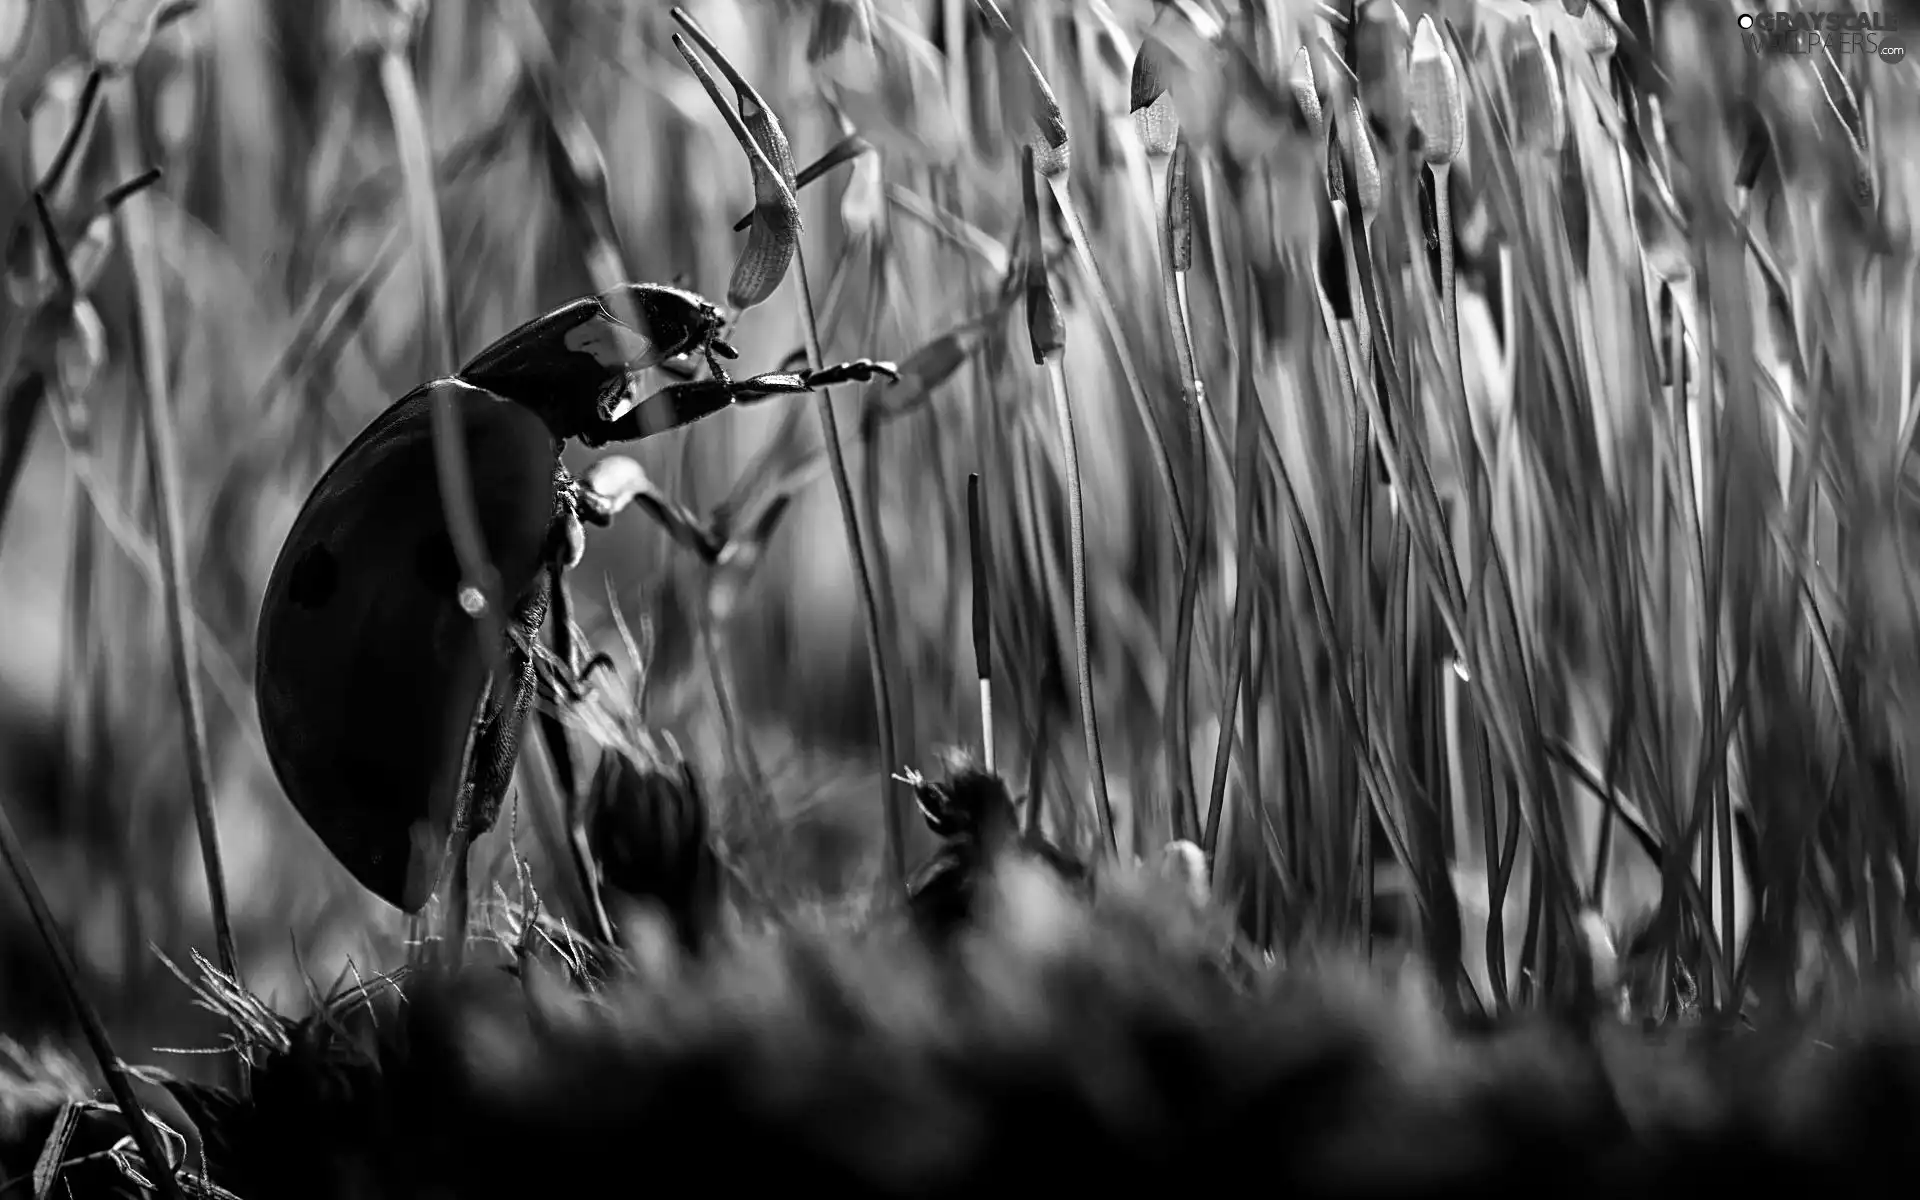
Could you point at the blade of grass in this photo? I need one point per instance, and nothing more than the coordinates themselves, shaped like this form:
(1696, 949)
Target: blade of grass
(163, 458)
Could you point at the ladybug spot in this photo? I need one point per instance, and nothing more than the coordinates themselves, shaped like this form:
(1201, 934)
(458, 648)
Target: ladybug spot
(316, 576)
(436, 565)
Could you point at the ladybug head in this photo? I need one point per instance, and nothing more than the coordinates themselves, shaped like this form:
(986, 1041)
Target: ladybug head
(575, 366)
(672, 320)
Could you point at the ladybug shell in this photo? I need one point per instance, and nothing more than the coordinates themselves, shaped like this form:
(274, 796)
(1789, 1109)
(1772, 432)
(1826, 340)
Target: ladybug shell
(369, 676)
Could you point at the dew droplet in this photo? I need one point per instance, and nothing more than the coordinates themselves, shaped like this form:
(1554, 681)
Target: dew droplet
(472, 602)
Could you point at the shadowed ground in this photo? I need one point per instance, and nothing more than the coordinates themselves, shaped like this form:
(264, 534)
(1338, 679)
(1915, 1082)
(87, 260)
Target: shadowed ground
(1122, 1046)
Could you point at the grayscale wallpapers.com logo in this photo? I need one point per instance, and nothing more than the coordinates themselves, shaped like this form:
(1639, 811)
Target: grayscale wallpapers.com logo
(1871, 33)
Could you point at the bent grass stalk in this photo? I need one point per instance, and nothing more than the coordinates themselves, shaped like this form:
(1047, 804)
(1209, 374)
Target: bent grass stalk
(771, 158)
(1048, 336)
(163, 457)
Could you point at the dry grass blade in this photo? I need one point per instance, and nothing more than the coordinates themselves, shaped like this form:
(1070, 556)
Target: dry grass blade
(774, 238)
(1052, 156)
(1047, 333)
(1177, 261)
(140, 550)
(777, 222)
(163, 461)
(759, 119)
(844, 151)
(119, 1080)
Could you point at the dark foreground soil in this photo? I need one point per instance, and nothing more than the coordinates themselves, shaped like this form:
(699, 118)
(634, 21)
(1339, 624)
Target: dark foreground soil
(1060, 1050)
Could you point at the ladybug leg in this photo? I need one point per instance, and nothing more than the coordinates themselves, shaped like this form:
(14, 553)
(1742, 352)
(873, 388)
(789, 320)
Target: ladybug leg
(561, 669)
(495, 749)
(783, 383)
(497, 742)
(684, 403)
(566, 543)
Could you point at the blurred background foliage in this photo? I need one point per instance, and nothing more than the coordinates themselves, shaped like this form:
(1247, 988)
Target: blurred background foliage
(1692, 595)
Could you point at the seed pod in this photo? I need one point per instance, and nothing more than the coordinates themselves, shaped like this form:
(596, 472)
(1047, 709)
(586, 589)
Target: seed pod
(834, 23)
(1306, 93)
(1046, 330)
(1152, 102)
(1149, 80)
(766, 131)
(1336, 170)
(1366, 168)
(1381, 43)
(1330, 265)
(1180, 208)
(1434, 97)
(1597, 34)
(764, 260)
(647, 831)
(1034, 104)
(850, 149)
(775, 235)
(1539, 106)
(1052, 154)
(1575, 205)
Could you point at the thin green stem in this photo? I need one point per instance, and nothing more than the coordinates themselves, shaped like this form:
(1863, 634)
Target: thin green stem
(891, 803)
(1082, 649)
(163, 457)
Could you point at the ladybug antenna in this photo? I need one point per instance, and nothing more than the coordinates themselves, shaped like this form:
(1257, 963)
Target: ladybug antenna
(715, 351)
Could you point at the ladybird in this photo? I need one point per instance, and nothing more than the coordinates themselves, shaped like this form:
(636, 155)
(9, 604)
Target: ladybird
(392, 729)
